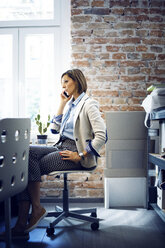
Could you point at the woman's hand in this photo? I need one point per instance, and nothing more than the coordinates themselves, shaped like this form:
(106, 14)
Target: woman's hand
(69, 155)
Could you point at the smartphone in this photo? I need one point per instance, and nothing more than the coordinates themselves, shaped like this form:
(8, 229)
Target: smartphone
(66, 94)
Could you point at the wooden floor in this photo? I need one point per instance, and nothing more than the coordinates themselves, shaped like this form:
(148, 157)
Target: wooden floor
(119, 228)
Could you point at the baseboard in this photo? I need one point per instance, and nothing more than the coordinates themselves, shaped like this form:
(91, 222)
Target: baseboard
(72, 200)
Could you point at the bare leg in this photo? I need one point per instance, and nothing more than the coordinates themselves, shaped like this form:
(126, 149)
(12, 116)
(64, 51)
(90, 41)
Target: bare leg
(34, 191)
(23, 213)
(38, 212)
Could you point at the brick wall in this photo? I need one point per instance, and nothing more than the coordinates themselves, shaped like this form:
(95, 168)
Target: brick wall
(120, 47)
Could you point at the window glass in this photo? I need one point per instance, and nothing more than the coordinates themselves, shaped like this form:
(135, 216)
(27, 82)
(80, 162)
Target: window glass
(6, 74)
(14, 10)
(40, 70)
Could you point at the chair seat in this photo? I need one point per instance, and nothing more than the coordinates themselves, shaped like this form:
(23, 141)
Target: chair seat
(70, 171)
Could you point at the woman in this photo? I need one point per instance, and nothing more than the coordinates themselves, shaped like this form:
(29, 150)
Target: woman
(82, 134)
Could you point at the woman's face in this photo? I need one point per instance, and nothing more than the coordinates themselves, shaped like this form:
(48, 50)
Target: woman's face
(69, 86)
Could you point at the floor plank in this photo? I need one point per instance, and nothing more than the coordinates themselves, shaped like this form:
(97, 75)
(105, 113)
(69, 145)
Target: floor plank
(119, 228)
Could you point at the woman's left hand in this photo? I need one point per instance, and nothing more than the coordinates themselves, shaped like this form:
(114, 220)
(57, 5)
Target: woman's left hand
(69, 155)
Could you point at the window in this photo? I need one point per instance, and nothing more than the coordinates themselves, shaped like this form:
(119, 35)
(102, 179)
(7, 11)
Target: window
(30, 12)
(8, 72)
(32, 59)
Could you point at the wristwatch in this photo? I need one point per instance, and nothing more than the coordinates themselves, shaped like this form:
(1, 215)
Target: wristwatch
(81, 155)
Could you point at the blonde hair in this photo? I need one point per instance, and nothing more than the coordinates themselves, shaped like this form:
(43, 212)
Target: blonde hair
(78, 77)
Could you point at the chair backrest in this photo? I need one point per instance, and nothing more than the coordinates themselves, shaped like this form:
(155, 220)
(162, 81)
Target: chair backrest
(14, 154)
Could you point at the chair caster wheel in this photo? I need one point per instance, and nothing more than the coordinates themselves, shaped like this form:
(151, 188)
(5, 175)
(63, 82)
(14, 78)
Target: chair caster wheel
(95, 226)
(50, 231)
(93, 214)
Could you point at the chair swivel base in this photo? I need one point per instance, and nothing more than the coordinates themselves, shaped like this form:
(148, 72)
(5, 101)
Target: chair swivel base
(61, 214)
(77, 214)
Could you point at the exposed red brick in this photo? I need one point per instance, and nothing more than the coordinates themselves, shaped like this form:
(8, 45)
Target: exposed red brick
(81, 19)
(131, 108)
(156, 79)
(119, 101)
(133, 70)
(105, 93)
(96, 48)
(79, 3)
(159, 71)
(148, 56)
(123, 25)
(97, 63)
(139, 93)
(112, 34)
(93, 184)
(98, 41)
(110, 108)
(117, 11)
(142, 18)
(119, 56)
(156, 49)
(156, 19)
(133, 78)
(77, 55)
(125, 93)
(96, 193)
(141, 48)
(146, 71)
(119, 3)
(160, 63)
(136, 11)
(104, 100)
(127, 33)
(112, 48)
(97, 11)
(161, 56)
(103, 78)
(128, 49)
(142, 33)
(76, 12)
(153, 41)
(81, 33)
(77, 40)
(134, 101)
(79, 193)
(104, 56)
(89, 55)
(81, 63)
(156, 33)
(127, 40)
(110, 63)
(78, 48)
(97, 3)
(133, 63)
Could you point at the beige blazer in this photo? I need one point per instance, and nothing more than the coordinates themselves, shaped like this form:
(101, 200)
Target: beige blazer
(89, 128)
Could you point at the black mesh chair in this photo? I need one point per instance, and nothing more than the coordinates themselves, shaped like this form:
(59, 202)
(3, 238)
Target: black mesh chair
(62, 213)
(14, 153)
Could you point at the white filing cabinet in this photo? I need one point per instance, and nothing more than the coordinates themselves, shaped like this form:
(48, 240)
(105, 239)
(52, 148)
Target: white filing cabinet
(126, 159)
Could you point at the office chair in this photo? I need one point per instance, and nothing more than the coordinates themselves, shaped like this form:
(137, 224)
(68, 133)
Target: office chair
(14, 153)
(64, 212)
